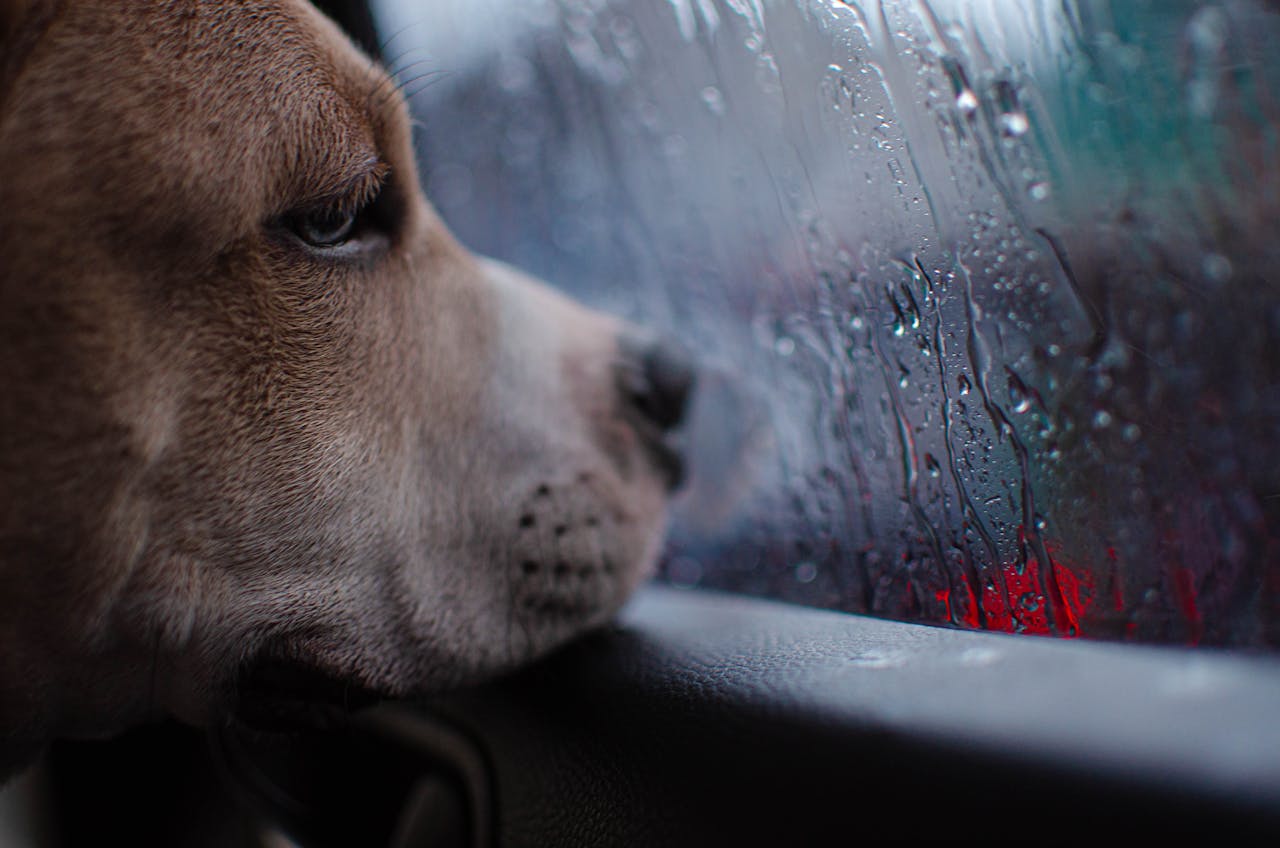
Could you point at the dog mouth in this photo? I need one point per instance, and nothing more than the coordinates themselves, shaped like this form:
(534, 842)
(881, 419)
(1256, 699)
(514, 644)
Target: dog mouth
(273, 694)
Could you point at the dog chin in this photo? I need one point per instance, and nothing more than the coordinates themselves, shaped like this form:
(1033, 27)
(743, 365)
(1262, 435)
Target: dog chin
(551, 604)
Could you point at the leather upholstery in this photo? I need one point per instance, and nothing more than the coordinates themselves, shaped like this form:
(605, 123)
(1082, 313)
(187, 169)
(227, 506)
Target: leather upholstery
(714, 720)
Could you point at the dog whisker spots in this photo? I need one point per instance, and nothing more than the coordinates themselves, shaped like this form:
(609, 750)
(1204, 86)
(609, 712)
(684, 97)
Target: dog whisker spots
(529, 567)
(561, 529)
(543, 491)
(527, 520)
(562, 569)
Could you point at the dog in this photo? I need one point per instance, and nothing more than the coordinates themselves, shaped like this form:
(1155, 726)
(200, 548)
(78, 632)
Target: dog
(271, 440)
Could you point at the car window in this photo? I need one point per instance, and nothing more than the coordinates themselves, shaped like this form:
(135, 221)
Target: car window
(983, 289)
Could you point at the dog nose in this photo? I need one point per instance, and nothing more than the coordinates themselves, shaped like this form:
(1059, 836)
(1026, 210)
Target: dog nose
(656, 379)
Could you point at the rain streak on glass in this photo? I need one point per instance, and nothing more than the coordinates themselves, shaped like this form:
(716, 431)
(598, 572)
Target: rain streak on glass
(984, 288)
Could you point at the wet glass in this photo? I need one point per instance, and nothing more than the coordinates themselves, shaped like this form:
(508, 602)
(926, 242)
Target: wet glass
(984, 290)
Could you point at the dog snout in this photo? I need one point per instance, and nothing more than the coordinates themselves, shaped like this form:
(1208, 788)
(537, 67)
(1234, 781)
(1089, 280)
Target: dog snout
(656, 379)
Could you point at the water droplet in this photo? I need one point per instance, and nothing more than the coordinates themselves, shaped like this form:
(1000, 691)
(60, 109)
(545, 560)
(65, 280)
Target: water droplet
(1038, 190)
(713, 100)
(806, 572)
(1014, 124)
(1131, 432)
(931, 465)
(1101, 419)
(966, 100)
(1019, 396)
(1207, 30)
(964, 385)
(1202, 96)
(685, 572)
(1216, 267)
(784, 346)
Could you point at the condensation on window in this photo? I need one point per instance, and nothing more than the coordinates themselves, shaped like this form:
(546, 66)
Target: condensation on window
(983, 290)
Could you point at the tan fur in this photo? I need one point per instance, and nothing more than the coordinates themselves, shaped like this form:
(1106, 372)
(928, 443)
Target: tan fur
(407, 472)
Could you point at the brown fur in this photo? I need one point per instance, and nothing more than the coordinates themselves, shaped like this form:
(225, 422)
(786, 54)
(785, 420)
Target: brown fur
(405, 469)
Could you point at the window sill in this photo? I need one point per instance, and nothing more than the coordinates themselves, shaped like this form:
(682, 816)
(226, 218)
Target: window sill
(705, 716)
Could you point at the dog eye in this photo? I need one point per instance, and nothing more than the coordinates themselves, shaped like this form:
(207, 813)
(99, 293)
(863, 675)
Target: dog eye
(359, 222)
(326, 228)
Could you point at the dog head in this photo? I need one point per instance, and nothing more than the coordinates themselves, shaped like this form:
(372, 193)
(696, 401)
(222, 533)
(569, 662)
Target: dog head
(264, 421)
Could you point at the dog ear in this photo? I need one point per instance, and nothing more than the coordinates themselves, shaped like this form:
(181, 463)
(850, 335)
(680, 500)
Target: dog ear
(11, 14)
(21, 24)
(356, 20)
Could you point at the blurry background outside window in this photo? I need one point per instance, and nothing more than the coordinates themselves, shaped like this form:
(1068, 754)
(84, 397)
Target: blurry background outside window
(985, 289)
